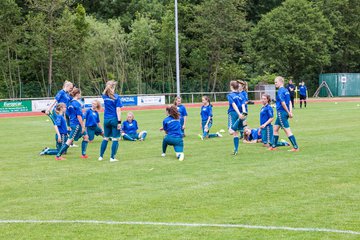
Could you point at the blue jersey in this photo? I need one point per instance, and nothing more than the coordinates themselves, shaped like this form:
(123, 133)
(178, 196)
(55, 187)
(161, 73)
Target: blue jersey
(254, 134)
(245, 97)
(73, 111)
(206, 112)
(92, 118)
(302, 90)
(63, 97)
(172, 127)
(282, 95)
(130, 127)
(266, 113)
(60, 122)
(111, 105)
(182, 110)
(235, 97)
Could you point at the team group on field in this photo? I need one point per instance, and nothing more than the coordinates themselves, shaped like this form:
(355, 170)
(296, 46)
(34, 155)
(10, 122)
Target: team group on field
(71, 123)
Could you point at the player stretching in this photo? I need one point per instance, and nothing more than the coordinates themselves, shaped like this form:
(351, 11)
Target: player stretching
(206, 119)
(112, 120)
(174, 136)
(236, 113)
(284, 112)
(129, 129)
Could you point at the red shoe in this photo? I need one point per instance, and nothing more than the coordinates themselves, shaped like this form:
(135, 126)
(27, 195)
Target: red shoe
(84, 156)
(59, 158)
(272, 149)
(294, 150)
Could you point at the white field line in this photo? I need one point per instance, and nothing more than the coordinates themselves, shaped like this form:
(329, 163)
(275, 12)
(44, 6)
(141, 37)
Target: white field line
(183, 225)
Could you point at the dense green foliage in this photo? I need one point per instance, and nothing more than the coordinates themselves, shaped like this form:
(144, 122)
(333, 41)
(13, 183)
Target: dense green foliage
(44, 42)
(317, 187)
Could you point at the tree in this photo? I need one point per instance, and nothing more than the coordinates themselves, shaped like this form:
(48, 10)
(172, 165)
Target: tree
(344, 17)
(292, 40)
(218, 29)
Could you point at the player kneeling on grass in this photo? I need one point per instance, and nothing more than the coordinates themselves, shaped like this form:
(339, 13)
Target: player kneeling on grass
(92, 123)
(77, 126)
(174, 136)
(206, 119)
(129, 129)
(60, 129)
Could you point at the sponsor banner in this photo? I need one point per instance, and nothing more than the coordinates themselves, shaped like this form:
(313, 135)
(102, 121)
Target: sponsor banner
(129, 100)
(15, 106)
(151, 100)
(39, 105)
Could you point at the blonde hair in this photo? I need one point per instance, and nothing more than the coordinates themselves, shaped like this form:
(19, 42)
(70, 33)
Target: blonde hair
(175, 100)
(59, 106)
(110, 89)
(244, 85)
(279, 78)
(98, 105)
(131, 114)
(67, 83)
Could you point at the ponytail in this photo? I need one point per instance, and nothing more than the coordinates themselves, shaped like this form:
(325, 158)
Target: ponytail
(59, 106)
(172, 111)
(110, 89)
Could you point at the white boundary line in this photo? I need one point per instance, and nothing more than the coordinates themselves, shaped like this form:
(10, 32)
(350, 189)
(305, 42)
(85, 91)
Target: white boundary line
(184, 225)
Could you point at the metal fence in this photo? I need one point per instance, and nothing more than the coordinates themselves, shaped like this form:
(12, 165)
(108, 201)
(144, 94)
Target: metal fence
(192, 97)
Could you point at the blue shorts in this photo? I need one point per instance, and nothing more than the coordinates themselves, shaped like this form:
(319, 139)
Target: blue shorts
(92, 131)
(267, 134)
(110, 128)
(282, 119)
(75, 133)
(178, 143)
(234, 122)
(132, 135)
(203, 123)
(64, 138)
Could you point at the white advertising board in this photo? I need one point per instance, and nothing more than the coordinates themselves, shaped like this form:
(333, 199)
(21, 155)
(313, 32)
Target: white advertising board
(151, 100)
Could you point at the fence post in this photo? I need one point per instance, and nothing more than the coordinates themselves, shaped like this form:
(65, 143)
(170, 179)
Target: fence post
(215, 97)
(192, 98)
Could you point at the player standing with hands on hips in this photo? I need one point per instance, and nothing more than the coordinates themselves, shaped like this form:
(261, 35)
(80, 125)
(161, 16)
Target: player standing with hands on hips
(112, 120)
(302, 91)
(284, 112)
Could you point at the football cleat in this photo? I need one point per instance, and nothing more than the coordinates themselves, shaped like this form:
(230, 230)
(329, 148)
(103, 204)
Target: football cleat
(219, 135)
(235, 153)
(113, 160)
(294, 150)
(272, 149)
(84, 156)
(73, 145)
(59, 158)
(181, 156)
(163, 154)
(100, 158)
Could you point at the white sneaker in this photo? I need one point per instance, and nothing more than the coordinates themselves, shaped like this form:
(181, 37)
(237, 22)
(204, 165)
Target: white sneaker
(100, 158)
(219, 135)
(222, 130)
(163, 154)
(181, 156)
(73, 145)
(113, 160)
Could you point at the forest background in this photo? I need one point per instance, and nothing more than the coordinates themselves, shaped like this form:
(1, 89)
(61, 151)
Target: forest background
(45, 42)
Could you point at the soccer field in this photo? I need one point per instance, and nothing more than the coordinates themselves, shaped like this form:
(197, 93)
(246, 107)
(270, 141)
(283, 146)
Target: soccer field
(258, 194)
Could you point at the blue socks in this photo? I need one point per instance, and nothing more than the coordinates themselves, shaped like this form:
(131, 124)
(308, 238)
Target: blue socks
(236, 143)
(104, 144)
(127, 137)
(62, 150)
(293, 141)
(144, 135)
(275, 143)
(83, 147)
(114, 148)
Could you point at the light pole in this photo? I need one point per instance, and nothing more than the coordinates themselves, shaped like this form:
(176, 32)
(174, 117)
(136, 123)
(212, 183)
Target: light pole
(177, 51)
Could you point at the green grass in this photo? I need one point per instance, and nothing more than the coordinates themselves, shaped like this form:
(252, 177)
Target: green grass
(318, 187)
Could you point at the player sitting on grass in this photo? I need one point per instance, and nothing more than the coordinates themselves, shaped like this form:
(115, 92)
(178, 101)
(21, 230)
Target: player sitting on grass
(254, 136)
(174, 136)
(129, 129)
(60, 129)
(207, 119)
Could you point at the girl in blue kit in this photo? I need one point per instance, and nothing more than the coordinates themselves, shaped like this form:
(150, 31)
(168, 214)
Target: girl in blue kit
(266, 118)
(236, 113)
(112, 120)
(183, 113)
(129, 129)
(243, 89)
(77, 126)
(284, 112)
(63, 96)
(92, 123)
(302, 92)
(60, 129)
(174, 136)
(206, 119)
(254, 136)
